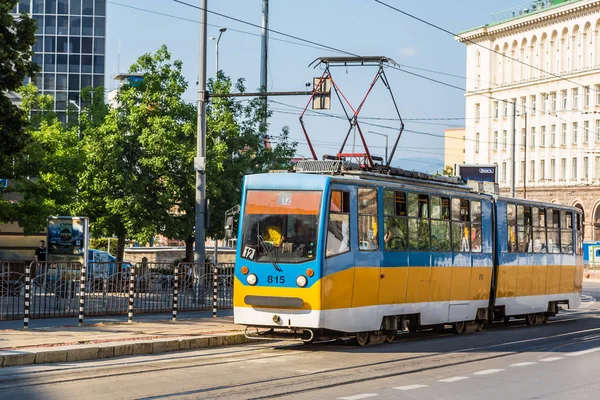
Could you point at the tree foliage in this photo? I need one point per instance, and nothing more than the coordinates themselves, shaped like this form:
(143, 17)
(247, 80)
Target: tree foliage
(17, 36)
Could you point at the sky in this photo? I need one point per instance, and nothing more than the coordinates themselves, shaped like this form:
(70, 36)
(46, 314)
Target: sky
(362, 27)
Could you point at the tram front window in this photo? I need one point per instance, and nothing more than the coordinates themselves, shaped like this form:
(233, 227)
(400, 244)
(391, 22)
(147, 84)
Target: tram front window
(280, 227)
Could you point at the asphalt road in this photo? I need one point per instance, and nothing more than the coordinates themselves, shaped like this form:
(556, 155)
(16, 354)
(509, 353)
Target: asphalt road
(558, 360)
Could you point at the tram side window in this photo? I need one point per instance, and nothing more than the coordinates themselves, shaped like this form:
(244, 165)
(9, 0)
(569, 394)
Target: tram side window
(539, 230)
(511, 219)
(440, 223)
(396, 229)
(579, 227)
(553, 232)
(418, 222)
(368, 233)
(476, 226)
(566, 232)
(525, 244)
(460, 225)
(338, 227)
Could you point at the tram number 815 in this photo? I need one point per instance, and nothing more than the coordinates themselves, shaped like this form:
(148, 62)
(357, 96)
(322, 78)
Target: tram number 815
(275, 279)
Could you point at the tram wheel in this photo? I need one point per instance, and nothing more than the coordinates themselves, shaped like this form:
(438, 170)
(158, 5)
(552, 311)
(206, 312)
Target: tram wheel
(459, 327)
(531, 319)
(390, 336)
(363, 338)
(480, 326)
(540, 319)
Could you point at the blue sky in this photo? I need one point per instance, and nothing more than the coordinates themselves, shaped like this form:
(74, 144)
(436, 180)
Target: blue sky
(357, 26)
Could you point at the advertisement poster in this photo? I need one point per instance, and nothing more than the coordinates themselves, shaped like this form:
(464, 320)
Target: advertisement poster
(68, 239)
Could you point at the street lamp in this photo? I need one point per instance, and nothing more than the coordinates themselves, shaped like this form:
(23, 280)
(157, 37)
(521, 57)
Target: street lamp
(386, 143)
(217, 40)
(78, 115)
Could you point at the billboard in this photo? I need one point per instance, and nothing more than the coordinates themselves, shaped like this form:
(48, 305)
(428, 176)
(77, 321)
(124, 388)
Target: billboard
(68, 239)
(476, 172)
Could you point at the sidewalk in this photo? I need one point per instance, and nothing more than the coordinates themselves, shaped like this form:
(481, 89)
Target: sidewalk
(54, 341)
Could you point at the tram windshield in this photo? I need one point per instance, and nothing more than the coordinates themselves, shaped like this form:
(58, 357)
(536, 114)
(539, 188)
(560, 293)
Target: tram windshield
(280, 226)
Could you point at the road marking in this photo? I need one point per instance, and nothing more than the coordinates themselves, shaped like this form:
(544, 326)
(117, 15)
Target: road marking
(358, 396)
(411, 387)
(488, 371)
(551, 359)
(522, 364)
(454, 379)
(582, 352)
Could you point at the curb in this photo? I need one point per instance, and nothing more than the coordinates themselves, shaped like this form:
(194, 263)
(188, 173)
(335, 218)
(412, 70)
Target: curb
(11, 358)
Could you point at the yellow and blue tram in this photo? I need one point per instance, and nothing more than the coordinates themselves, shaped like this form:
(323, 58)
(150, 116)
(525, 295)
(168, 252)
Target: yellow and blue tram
(356, 253)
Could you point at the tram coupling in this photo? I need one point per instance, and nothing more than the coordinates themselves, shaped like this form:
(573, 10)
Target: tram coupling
(304, 335)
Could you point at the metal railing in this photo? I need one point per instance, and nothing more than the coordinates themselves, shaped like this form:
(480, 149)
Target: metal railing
(59, 289)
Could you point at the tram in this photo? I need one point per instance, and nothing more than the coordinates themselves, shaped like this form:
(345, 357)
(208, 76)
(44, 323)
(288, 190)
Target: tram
(331, 250)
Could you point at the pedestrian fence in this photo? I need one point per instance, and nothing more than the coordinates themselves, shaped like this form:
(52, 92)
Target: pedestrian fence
(62, 289)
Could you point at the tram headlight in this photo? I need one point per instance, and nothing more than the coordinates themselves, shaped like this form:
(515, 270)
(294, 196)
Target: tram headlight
(301, 281)
(251, 279)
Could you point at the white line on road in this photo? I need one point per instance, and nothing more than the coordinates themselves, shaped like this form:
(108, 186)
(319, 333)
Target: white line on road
(411, 387)
(551, 359)
(582, 352)
(454, 379)
(358, 396)
(522, 364)
(488, 371)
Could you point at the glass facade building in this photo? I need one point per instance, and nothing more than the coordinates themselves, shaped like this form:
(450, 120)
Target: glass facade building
(69, 48)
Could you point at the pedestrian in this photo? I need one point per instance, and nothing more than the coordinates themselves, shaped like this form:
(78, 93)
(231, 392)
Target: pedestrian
(40, 252)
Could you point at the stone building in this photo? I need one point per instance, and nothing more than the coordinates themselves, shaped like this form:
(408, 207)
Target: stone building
(533, 82)
(454, 147)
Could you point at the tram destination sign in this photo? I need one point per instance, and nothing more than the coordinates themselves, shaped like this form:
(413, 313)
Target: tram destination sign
(480, 173)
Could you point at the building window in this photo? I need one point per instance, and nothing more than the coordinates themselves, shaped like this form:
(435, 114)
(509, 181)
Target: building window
(575, 132)
(586, 131)
(523, 138)
(504, 171)
(477, 142)
(505, 108)
(597, 95)
(575, 93)
(563, 136)
(495, 109)
(553, 100)
(553, 135)
(533, 104)
(563, 169)
(553, 169)
(598, 130)
(504, 140)
(564, 100)
(543, 143)
(542, 170)
(597, 170)
(477, 112)
(523, 105)
(586, 101)
(522, 174)
(586, 168)
(574, 169)
(544, 102)
(495, 140)
(532, 145)
(531, 171)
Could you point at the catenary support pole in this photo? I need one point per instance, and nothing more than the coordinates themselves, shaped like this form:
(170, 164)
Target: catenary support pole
(200, 160)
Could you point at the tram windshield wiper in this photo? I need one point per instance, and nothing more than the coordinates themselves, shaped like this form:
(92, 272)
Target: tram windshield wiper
(272, 260)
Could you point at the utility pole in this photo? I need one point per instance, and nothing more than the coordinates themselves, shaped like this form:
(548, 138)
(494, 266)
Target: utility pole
(200, 160)
(514, 143)
(525, 161)
(264, 59)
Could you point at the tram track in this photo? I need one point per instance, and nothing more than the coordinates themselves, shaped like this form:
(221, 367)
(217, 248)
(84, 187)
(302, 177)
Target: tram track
(410, 363)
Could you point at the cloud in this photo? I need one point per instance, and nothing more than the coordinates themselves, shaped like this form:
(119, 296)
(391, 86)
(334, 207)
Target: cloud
(407, 51)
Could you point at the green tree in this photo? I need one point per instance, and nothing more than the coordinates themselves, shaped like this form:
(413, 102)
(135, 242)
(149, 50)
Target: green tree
(45, 172)
(448, 171)
(17, 35)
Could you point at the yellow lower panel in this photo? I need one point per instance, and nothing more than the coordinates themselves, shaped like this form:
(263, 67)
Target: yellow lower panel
(538, 280)
(366, 286)
(553, 279)
(567, 279)
(418, 284)
(311, 296)
(579, 278)
(392, 287)
(524, 274)
(481, 281)
(460, 283)
(337, 290)
(507, 281)
(439, 289)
